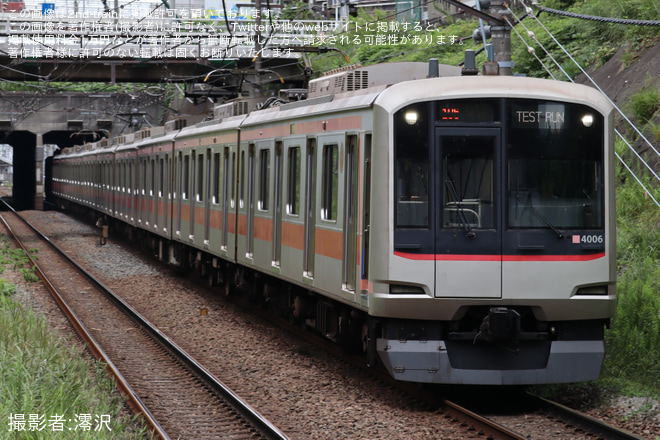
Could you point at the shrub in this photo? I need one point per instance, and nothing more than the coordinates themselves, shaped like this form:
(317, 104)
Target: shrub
(644, 104)
(634, 335)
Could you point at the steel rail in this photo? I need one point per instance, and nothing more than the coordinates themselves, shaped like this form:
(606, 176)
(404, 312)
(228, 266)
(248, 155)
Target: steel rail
(133, 400)
(264, 426)
(452, 410)
(584, 421)
(481, 423)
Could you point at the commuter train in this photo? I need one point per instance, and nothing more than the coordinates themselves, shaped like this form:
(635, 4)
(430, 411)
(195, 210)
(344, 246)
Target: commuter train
(457, 229)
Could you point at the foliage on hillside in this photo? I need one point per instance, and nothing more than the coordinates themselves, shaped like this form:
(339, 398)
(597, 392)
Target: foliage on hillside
(376, 38)
(591, 42)
(633, 341)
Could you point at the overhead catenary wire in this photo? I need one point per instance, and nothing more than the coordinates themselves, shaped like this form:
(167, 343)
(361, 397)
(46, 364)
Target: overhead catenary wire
(589, 77)
(531, 14)
(600, 19)
(530, 49)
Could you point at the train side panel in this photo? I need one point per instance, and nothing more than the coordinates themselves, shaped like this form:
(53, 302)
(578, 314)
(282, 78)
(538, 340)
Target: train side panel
(204, 200)
(299, 215)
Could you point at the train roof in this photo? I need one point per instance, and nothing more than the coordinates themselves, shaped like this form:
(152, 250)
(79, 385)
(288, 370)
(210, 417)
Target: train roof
(377, 75)
(390, 86)
(402, 94)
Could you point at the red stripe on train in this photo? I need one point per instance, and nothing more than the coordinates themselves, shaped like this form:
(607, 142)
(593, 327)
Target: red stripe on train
(457, 257)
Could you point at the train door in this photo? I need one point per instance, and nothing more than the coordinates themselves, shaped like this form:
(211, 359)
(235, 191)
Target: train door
(310, 209)
(207, 194)
(121, 202)
(142, 199)
(466, 231)
(292, 226)
(366, 209)
(226, 204)
(249, 251)
(277, 206)
(132, 191)
(153, 196)
(163, 195)
(178, 195)
(350, 214)
(194, 194)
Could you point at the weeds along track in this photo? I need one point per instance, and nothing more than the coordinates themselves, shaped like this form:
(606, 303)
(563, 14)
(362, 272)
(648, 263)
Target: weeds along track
(176, 395)
(314, 394)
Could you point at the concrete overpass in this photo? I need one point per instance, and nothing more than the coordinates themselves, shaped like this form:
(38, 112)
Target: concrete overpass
(28, 121)
(156, 47)
(212, 58)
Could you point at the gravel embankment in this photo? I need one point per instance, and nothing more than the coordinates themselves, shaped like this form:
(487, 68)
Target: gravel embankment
(306, 396)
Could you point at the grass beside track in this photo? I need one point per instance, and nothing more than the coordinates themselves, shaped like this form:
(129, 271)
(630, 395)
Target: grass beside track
(633, 340)
(50, 390)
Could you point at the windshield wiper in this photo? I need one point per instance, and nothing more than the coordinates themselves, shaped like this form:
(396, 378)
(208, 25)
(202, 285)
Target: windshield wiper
(538, 214)
(469, 233)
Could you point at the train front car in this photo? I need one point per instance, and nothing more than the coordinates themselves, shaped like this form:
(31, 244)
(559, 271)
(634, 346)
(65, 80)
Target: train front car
(493, 260)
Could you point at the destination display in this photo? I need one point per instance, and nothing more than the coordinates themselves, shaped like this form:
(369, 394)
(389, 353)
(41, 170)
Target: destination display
(468, 110)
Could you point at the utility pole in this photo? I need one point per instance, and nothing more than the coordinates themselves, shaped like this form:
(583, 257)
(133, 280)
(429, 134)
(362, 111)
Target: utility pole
(257, 48)
(501, 40)
(500, 33)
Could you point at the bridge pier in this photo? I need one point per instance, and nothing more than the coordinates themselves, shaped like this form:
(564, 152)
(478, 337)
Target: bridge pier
(24, 186)
(39, 174)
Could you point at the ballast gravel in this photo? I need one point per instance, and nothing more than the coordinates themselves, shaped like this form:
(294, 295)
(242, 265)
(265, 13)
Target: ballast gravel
(306, 394)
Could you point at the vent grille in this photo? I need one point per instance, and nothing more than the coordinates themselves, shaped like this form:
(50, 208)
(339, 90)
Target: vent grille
(176, 124)
(240, 108)
(357, 80)
(180, 123)
(339, 83)
(142, 134)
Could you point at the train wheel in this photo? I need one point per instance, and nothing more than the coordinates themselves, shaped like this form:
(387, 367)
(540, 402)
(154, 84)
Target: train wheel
(344, 328)
(369, 341)
(365, 337)
(227, 282)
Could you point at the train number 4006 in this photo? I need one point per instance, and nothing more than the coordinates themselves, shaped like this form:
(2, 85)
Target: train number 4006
(588, 239)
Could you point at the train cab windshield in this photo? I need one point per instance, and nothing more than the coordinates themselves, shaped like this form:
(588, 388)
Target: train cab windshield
(554, 172)
(486, 166)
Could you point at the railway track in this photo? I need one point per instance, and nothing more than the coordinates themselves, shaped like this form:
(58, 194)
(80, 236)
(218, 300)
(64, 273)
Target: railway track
(445, 409)
(177, 396)
(528, 414)
(582, 421)
(449, 413)
(533, 413)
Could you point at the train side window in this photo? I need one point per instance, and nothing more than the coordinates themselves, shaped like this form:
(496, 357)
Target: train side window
(264, 180)
(161, 184)
(129, 182)
(330, 182)
(293, 180)
(143, 188)
(179, 174)
(232, 181)
(121, 170)
(152, 174)
(241, 198)
(200, 178)
(168, 186)
(186, 177)
(216, 179)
